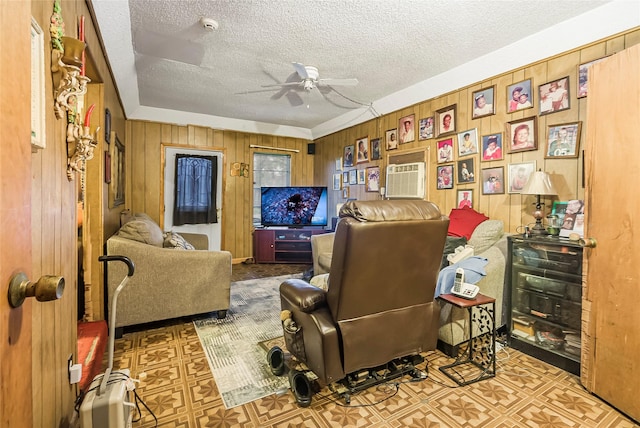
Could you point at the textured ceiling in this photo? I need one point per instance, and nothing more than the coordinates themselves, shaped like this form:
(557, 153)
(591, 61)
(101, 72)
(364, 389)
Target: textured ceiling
(163, 58)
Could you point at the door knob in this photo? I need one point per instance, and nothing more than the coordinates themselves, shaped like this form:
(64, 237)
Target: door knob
(588, 242)
(48, 287)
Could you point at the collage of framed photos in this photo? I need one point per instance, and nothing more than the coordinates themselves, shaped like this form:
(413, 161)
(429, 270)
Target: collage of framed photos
(459, 151)
(363, 151)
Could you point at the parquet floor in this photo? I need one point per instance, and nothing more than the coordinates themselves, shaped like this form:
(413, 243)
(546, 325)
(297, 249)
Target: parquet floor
(177, 385)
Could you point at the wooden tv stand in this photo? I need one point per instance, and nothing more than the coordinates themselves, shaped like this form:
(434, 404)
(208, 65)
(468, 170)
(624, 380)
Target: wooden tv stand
(283, 245)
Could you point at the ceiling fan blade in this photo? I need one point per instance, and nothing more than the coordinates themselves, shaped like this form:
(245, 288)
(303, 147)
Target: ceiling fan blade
(301, 70)
(294, 99)
(283, 85)
(338, 82)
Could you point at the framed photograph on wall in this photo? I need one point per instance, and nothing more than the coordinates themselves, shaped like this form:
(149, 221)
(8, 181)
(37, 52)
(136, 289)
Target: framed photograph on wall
(563, 140)
(107, 126)
(353, 176)
(373, 179)
(493, 180)
(519, 96)
(445, 150)
(407, 129)
(466, 171)
(337, 181)
(426, 128)
(492, 147)
(468, 142)
(348, 156)
(445, 177)
(554, 96)
(345, 192)
(338, 164)
(117, 185)
(392, 139)
(522, 134)
(445, 120)
(362, 146)
(362, 176)
(465, 198)
(518, 175)
(482, 102)
(345, 177)
(376, 149)
(583, 76)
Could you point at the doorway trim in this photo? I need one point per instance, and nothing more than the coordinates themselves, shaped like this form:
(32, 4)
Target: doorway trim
(163, 149)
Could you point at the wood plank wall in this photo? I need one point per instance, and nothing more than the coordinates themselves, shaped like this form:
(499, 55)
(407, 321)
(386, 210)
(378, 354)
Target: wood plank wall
(54, 224)
(514, 209)
(144, 144)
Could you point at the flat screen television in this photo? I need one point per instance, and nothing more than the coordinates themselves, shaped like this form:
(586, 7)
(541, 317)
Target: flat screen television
(294, 206)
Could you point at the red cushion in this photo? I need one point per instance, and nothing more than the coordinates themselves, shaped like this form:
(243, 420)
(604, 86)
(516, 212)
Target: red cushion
(463, 221)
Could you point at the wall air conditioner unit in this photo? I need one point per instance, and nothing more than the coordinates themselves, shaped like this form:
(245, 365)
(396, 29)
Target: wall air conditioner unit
(407, 180)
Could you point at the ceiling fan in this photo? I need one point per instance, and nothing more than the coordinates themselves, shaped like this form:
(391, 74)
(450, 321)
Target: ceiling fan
(310, 79)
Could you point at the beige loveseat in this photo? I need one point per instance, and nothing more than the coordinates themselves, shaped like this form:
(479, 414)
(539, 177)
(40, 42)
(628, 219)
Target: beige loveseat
(489, 241)
(169, 281)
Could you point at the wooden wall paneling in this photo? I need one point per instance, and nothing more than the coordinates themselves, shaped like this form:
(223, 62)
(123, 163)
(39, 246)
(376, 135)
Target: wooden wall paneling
(632, 38)
(135, 151)
(94, 207)
(153, 152)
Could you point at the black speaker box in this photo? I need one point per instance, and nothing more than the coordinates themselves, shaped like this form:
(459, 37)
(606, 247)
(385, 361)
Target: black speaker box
(311, 148)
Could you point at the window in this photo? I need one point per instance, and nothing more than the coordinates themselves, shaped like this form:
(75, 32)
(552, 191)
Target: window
(195, 187)
(268, 170)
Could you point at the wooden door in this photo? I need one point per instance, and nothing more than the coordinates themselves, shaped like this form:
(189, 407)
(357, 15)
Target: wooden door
(15, 211)
(611, 337)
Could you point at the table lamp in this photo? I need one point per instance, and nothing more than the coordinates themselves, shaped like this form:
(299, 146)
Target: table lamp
(539, 184)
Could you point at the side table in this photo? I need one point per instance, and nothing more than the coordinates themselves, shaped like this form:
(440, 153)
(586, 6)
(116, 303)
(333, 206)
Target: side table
(478, 361)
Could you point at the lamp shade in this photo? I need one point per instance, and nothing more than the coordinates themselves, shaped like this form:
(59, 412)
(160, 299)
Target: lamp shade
(539, 183)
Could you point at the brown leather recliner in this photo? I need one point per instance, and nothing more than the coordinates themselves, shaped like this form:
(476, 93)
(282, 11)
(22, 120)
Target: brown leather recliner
(380, 300)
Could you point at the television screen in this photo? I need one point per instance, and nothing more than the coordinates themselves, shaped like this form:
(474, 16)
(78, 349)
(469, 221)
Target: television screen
(294, 206)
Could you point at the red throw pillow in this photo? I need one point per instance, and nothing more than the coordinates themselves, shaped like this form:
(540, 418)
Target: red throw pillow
(463, 221)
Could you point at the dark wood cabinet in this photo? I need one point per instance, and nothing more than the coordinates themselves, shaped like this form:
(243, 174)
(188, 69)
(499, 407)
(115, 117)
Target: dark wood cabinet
(283, 245)
(545, 278)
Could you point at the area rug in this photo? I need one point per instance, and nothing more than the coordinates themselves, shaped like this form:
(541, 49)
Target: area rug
(237, 360)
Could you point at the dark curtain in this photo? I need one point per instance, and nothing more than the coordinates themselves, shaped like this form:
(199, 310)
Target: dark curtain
(195, 190)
